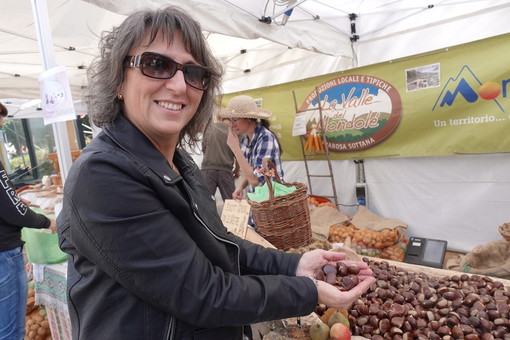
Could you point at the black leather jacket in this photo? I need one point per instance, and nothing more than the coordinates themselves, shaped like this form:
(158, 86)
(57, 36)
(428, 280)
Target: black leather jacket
(150, 258)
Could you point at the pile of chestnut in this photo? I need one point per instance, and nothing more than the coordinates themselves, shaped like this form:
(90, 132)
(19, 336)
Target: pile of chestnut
(405, 305)
(342, 275)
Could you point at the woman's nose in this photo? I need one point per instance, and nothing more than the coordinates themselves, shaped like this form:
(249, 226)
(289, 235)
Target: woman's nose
(177, 82)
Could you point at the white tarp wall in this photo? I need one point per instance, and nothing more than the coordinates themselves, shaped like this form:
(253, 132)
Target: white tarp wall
(461, 199)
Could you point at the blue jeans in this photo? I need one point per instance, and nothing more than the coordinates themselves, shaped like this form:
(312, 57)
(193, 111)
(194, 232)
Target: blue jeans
(13, 294)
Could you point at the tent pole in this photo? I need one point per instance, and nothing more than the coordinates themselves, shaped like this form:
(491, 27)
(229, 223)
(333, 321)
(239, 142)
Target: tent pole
(43, 28)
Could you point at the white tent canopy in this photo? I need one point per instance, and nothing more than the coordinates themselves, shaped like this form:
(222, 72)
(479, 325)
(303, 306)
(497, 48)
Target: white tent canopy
(453, 198)
(316, 39)
(317, 36)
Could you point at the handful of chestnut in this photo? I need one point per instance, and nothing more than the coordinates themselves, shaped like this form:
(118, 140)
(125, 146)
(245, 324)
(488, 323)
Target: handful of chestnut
(343, 276)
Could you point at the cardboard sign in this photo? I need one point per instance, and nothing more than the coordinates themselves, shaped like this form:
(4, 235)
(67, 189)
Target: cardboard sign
(235, 216)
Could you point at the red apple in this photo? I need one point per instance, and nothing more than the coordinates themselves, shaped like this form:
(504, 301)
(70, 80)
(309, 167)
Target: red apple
(339, 332)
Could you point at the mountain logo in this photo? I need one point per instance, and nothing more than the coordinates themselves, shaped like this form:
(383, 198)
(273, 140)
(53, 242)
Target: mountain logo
(467, 87)
(352, 112)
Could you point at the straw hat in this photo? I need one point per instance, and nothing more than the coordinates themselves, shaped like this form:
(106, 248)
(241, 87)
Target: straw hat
(244, 107)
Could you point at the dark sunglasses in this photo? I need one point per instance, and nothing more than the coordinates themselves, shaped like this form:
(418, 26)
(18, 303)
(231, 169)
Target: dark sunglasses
(154, 65)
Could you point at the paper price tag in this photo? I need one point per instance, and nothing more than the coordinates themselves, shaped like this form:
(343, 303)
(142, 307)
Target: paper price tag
(299, 125)
(235, 216)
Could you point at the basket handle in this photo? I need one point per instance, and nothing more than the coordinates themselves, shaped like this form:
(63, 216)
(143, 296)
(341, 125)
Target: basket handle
(267, 164)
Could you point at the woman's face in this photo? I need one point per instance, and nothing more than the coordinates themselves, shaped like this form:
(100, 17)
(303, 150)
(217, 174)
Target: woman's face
(160, 108)
(240, 125)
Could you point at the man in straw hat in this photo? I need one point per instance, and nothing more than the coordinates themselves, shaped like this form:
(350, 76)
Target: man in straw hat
(257, 141)
(219, 166)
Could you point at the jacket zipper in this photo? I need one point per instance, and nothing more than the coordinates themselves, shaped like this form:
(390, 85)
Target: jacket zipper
(169, 335)
(195, 212)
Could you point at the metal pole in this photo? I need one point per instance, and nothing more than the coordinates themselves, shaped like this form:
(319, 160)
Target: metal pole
(43, 28)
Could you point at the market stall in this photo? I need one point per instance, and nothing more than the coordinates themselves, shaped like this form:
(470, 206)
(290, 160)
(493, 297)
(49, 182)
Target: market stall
(408, 301)
(406, 298)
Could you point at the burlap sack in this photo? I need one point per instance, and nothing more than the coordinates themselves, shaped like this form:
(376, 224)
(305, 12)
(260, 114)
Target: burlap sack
(365, 219)
(373, 235)
(321, 218)
(491, 259)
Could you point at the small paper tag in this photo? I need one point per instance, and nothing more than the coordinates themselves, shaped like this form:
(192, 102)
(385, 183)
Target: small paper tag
(299, 128)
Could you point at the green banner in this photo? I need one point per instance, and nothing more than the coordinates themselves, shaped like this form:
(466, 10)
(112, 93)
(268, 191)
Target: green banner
(447, 102)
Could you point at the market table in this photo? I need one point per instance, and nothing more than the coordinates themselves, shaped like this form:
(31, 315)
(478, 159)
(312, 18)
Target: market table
(50, 282)
(50, 291)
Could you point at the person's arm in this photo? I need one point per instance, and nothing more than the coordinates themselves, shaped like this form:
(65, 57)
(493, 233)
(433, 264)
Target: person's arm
(53, 222)
(14, 211)
(239, 191)
(142, 243)
(260, 260)
(246, 168)
(236, 169)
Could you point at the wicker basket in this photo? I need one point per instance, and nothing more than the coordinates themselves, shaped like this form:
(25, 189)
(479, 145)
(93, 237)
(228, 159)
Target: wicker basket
(284, 221)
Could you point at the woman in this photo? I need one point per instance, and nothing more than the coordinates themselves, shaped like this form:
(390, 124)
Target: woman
(257, 142)
(149, 256)
(14, 215)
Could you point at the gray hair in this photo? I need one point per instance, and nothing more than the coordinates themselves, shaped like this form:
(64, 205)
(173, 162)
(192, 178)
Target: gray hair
(107, 72)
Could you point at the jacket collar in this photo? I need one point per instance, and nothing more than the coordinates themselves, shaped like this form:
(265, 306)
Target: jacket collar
(133, 141)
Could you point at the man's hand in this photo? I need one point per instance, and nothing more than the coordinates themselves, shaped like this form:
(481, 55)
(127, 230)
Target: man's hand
(53, 225)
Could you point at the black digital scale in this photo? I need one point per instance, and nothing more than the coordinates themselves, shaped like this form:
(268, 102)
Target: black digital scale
(425, 252)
